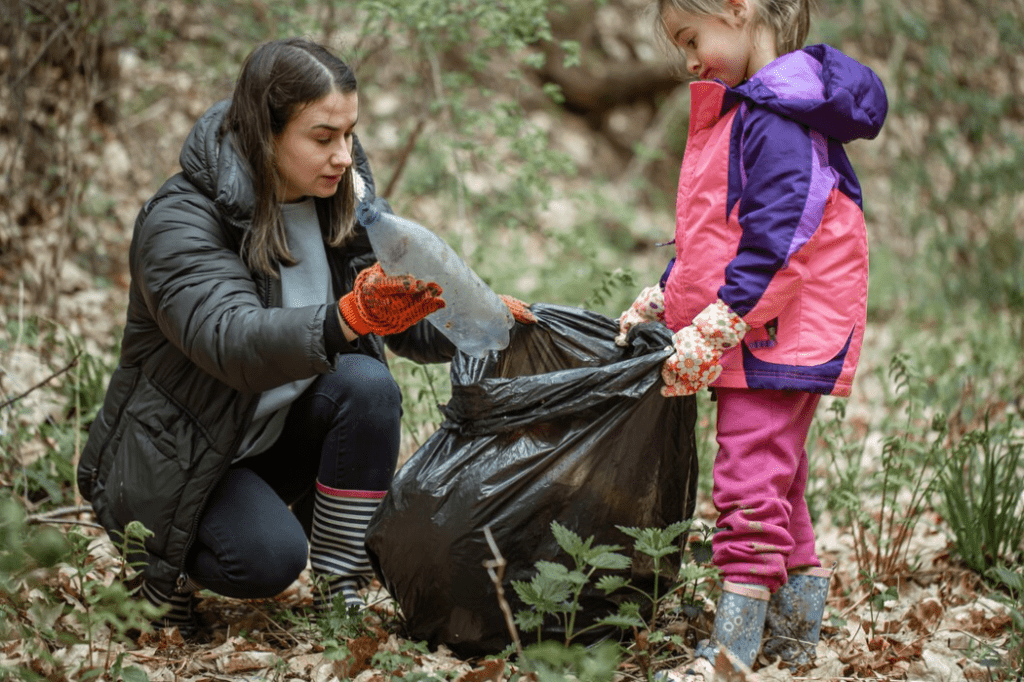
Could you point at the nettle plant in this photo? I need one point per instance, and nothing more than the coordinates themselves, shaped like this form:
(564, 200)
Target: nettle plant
(555, 591)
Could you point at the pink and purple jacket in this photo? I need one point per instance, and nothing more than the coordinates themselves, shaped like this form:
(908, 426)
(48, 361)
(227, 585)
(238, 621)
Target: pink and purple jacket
(769, 219)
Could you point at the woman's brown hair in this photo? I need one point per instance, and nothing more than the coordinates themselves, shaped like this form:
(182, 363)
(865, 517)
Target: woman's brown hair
(277, 79)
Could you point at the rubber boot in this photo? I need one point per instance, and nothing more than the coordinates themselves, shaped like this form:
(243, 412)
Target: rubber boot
(337, 545)
(739, 625)
(793, 623)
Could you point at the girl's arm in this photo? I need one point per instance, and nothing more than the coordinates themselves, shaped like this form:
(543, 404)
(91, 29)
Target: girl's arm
(782, 183)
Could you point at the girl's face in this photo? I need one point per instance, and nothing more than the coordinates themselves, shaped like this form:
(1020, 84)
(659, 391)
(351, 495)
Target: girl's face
(315, 148)
(716, 45)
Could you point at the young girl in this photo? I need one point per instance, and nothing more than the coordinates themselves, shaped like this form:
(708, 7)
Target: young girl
(252, 407)
(767, 293)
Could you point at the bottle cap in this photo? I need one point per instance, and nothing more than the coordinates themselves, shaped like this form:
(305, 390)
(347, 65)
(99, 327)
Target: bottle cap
(367, 213)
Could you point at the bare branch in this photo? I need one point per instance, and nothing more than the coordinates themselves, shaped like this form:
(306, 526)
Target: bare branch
(496, 570)
(74, 361)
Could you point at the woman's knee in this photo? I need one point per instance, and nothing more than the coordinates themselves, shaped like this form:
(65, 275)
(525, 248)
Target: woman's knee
(249, 544)
(364, 384)
(271, 567)
(284, 562)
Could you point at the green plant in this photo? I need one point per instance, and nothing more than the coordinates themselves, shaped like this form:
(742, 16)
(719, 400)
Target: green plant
(348, 635)
(657, 543)
(901, 481)
(1012, 583)
(131, 673)
(400, 662)
(555, 590)
(24, 548)
(554, 662)
(609, 284)
(29, 603)
(424, 389)
(109, 605)
(699, 571)
(337, 626)
(31, 606)
(979, 485)
(75, 385)
(660, 543)
(907, 471)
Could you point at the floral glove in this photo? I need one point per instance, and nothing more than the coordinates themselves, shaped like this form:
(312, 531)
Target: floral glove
(698, 350)
(649, 306)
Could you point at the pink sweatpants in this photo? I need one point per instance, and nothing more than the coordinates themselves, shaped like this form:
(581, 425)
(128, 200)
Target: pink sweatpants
(760, 475)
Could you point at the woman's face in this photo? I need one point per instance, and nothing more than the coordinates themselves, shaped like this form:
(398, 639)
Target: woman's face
(315, 148)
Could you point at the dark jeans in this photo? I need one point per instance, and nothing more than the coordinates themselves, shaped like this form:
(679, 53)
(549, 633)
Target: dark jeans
(343, 430)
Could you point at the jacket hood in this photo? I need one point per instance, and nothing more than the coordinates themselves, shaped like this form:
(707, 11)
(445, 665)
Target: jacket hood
(210, 162)
(822, 88)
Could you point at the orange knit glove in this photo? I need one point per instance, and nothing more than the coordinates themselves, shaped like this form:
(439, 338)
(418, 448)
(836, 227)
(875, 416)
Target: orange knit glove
(520, 311)
(385, 305)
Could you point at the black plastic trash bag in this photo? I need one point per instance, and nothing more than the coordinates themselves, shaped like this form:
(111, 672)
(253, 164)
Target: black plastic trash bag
(563, 425)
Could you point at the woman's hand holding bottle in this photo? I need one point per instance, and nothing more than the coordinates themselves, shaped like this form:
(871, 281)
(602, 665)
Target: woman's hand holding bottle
(384, 305)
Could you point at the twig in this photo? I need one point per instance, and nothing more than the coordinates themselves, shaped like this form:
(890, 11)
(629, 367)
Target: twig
(74, 361)
(60, 511)
(860, 601)
(42, 51)
(52, 517)
(71, 522)
(404, 158)
(496, 570)
(288, 639)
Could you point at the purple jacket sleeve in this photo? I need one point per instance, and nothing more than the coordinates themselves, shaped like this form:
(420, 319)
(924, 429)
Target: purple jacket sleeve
(782, 182)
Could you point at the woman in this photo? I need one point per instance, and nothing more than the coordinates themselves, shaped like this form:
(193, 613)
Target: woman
(252, 380)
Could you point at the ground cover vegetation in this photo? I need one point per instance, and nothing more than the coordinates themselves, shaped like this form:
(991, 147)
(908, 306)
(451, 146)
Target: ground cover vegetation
(541, 140)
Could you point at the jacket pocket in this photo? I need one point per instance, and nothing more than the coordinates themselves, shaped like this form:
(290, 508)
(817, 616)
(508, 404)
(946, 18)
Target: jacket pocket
(159, 426)
(764, 337)
(153, 456)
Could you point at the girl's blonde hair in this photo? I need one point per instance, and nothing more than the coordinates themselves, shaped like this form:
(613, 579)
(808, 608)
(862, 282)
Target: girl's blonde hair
(276, 81)
(789, 20)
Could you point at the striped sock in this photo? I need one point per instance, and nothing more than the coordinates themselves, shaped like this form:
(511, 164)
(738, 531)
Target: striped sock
(337, 550)
(179, 614)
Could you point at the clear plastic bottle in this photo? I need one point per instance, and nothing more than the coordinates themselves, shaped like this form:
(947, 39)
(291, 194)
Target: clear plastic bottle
(474, 317)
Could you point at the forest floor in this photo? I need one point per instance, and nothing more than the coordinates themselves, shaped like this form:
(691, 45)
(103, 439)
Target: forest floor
(937, 621)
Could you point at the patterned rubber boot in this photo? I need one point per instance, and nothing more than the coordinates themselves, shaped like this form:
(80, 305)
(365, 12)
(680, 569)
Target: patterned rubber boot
(794, 616)
(180, 612)
(739, 626)
(337, 546)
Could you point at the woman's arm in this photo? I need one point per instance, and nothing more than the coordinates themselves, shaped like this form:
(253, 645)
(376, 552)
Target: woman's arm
(204, 300)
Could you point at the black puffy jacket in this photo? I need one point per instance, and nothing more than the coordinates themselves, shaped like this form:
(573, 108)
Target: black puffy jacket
(200, 343)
